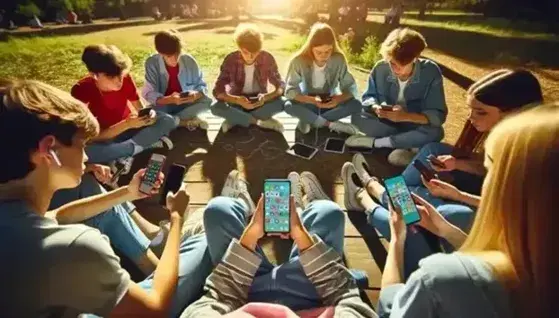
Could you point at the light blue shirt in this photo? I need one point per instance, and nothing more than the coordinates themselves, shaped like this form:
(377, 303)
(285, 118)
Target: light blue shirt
(157, 78)
(338, 77)
(424, 92)
(447, 285)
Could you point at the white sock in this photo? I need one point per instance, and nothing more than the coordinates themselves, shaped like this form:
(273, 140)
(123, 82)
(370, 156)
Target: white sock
(383, 143)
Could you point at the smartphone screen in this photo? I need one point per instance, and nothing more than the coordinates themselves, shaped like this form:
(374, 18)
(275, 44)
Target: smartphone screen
(303, 151)
(335, 145)
(400, 195)
(173, 182)
(387, 108)
(144, 112)
(276, 205)
(152, 173)
(426, 172)
(435, 161)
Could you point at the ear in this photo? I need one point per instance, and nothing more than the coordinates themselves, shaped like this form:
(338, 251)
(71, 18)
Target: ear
(44, 150)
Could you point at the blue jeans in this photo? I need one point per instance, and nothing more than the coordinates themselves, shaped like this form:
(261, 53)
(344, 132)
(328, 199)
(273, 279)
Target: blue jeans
(402, 135)
(123, 145)
(286, 284)
(115, 223)
(238, 116)
(195, 265)
(312, 115)
(187, 111)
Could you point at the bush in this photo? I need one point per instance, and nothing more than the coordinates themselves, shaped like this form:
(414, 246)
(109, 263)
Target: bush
(29, 10)
(368, 56)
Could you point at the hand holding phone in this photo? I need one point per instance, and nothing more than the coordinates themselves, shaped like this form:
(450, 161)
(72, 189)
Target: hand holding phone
(151, 175)
(173, 182)
(387, 108)
(277, 206)
(185, 94)
(400, 197)
(426, 172)
(145, 112)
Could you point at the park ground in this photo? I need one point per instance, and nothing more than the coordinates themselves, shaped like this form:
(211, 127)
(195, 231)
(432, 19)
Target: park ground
(465, 52)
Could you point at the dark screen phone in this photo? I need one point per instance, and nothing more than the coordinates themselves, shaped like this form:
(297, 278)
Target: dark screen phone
(425, 171)
(184, 94)
(400, 196)
(276, 205)
(173, 182)
(335, 145)
(387, 108)
(253, 99)
(325, 98)
(435, 161)
(303, 151)
(145, 112)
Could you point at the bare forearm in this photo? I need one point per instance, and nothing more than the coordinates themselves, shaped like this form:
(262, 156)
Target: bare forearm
(166, 274)
(454, 235)
(416, 118)
(228, 98)
(471, 166)
(305, 99)
(469, 199)
(112, 131)
(86, 208)
(393, 268)
(345, 97)
(303, 240)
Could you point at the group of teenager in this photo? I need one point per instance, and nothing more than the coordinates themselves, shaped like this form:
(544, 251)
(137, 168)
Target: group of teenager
(491, 204)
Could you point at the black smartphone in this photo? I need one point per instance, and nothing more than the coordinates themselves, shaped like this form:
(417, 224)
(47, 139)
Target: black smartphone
(400, 196)
(253, 99)
(173, 182)
(425, 171)
(302, 150)
(151, 175)
(325, 98)
(435, 161)
(145, 112)
(335, 145)
(276, 206)
(184, 94)
(388, 108)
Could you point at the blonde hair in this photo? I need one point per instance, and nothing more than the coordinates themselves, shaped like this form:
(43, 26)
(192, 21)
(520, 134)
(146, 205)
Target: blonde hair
(518, 210)
(404, 45)
(249, 37)
(320, 34)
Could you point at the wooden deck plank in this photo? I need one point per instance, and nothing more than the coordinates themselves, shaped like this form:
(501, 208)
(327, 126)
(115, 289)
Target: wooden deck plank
(358, 256)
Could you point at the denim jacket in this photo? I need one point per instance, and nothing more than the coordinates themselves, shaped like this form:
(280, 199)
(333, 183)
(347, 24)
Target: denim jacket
(157, 78)
(424, 93)
(338, 77)
(447, 285)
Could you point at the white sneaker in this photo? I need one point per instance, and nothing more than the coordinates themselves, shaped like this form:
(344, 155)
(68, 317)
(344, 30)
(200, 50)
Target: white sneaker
(229, 185)
(312, 187)
(303, 128)
(272, 124)
(225, 126)
(360, 142)
(163, 143)
(345, 128)
(361, 168)
(351, 188)
(401, 157)
(296, 189)
(200, 123)
(245, 196)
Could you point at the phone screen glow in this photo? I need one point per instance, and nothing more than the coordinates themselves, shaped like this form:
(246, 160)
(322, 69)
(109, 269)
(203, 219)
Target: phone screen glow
(276, 206)
(400, 195)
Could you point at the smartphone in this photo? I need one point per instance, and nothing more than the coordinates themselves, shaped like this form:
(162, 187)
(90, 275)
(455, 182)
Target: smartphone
(253, 99)
(151, 175)
(387, 108)
(400, 195)
(145, 112)
(173, 182)
(435, 161)
(302, 150)
(184, 94)
(335, 145)
(425, 171)
(276, 206)
(325, 98)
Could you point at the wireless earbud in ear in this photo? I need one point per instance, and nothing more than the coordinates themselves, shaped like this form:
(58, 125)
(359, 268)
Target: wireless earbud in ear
(55, 157)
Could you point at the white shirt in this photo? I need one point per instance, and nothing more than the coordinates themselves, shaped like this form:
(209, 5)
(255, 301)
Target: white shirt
(401, 100)
(318, 76)
(249, 87)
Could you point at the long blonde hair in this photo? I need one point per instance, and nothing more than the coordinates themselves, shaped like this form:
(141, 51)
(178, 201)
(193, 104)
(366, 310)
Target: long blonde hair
(320, 34)
(514, 229)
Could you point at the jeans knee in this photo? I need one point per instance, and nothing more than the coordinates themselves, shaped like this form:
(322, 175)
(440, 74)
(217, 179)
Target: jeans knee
(218, 211)
(165, 121)
(355, 105)
(206, 101)
(218, 107)
(329, 211)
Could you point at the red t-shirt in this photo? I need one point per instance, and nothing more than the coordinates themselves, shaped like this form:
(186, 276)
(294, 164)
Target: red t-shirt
(109, 108)
(173, 86)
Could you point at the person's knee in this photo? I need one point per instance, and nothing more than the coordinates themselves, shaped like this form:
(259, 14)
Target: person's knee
(165, 121)
(218, 210)
(218, 107)
(205, 100)
(330, 212)
(354, 105)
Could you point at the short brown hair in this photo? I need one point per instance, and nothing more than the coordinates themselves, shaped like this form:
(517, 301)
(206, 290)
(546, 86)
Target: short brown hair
(106, 59)
(168, 42)
(249, 37)
(31, 110)
(404, 45)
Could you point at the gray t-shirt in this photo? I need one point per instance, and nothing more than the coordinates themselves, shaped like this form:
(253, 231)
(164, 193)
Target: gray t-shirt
(53, 270)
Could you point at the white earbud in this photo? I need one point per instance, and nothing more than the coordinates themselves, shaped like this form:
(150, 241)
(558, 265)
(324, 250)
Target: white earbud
(55, 157)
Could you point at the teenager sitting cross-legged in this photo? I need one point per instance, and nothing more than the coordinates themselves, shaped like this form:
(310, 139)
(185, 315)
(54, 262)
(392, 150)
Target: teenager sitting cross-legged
(170, 73)
(241, 88)
(58, 270)
(111, 95)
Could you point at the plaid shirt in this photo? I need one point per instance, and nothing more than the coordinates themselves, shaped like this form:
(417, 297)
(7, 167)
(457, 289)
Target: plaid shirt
(232, 74)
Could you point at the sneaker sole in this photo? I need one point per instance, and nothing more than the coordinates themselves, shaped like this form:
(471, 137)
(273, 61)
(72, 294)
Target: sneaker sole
(357, 161)
(295, 180)
(314, 185)
(350, 201)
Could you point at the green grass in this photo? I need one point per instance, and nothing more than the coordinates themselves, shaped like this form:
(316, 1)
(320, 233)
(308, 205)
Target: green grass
(462, 21)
